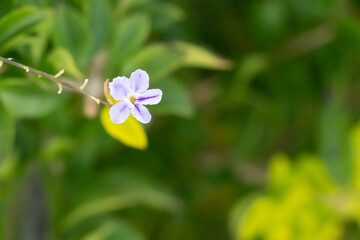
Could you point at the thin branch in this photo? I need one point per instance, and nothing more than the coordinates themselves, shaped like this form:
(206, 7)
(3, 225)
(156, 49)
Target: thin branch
(54, 79)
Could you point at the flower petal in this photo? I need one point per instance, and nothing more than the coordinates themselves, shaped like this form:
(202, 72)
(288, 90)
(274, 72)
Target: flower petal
(151, 97)
(139, 81)
(119, 88)
(141, 113)
(119, 112)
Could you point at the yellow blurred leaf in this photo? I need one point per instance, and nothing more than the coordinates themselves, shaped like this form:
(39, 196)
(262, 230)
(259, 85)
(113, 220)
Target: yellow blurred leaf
(355, 150)
(130, 133)
(280, 171)
(196, 56)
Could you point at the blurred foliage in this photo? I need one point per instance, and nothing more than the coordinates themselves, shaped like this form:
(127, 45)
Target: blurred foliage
(301, 201)
(291, 86)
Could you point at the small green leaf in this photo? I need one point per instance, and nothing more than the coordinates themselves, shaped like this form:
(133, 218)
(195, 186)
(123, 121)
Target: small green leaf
(175, 100)
(18, 21)
(158, 60)
(25, 100)
(196, 56)
(129, 34)
(60, 58)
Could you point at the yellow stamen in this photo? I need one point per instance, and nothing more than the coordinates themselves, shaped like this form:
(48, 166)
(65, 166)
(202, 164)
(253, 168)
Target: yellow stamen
(132, 99)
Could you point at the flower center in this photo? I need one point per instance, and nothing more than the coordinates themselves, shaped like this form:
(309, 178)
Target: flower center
(132, 99)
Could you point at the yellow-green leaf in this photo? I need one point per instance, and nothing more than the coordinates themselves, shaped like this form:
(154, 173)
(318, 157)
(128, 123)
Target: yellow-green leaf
(130, 133)
(196, 56)
(61, 58)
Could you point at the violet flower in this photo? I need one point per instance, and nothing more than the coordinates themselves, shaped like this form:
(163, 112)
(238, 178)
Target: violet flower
(133, 94)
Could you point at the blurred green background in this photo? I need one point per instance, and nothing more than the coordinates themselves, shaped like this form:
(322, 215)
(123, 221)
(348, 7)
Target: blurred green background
(257, 136)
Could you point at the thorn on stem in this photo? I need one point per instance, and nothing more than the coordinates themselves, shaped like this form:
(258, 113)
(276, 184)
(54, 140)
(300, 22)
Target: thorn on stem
(26, 68)
(59, 73)
(95, 99)
(60, 88)
(1, 63)
(84, 84)
(10, 59)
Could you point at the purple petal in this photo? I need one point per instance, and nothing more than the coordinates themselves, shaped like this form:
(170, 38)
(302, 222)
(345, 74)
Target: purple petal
(119, 112)
(119, 88)
(139, 81)
(151, 97)
(141, 113)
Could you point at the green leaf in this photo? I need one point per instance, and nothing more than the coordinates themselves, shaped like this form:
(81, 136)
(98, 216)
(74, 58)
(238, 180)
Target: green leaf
(99, 18)
(39, 42)
(129, 34)
(118, 202)
(246, 71)
(124, 6)
(6, 7)
(175, 100)
(196, 56)
(18, 21)
(60, 58)
(163, 15)
(7, 133)
(72, 33)
(114, 230)
(158, 60)
(57, 148)
(25, 100)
